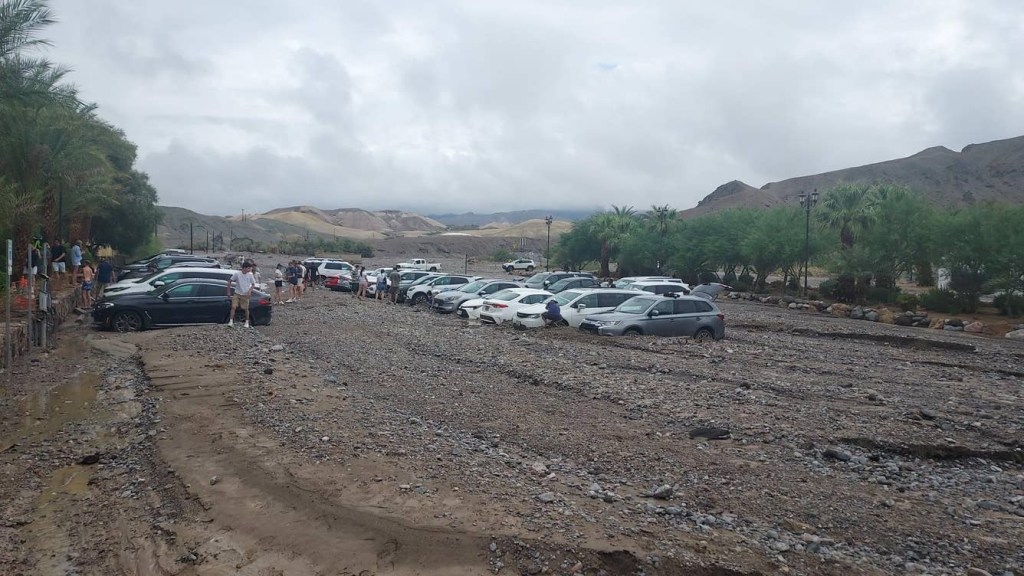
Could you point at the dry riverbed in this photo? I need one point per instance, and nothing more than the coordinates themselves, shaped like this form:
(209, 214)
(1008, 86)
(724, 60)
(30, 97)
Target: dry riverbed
(363, 438)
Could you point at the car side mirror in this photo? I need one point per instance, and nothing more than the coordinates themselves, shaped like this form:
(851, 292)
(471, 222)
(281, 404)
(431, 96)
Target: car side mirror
(654, 313)
(159, 283)
(580, 306)
(165, 297)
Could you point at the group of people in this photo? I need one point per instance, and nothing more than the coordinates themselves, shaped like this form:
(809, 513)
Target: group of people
(296, 276)
(70, 266)
(385, 288)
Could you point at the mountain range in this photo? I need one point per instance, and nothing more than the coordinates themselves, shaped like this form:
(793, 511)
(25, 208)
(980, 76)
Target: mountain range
(993, 171)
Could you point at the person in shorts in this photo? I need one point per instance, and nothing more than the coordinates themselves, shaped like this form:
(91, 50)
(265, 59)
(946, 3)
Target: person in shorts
(278, 284)
(394, 280)
(292, 273)
(76, 260)
(58, 258)
(244, 282)
(87, 274)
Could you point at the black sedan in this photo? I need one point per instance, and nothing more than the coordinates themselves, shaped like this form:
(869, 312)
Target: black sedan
(187, 301)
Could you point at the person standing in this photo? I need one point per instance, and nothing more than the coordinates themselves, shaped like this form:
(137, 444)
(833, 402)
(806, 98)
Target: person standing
(363, 283)
(87, 274)
(292, 273)
(302, 278)
(244, 282)
(58, 255)
(382, 285)
(394, 280)
(278, 284)
(104, 276)
(76, 260)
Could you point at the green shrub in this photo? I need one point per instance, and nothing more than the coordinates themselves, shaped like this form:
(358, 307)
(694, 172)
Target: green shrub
(908, 302)
(502, 255)
(941, 300)
(1009, 304)
(883, 295)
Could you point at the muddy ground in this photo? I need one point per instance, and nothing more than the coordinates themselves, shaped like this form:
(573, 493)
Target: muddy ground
(362, 438)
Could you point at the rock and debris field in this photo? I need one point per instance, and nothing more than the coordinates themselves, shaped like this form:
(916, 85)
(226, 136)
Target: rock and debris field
(366, 438)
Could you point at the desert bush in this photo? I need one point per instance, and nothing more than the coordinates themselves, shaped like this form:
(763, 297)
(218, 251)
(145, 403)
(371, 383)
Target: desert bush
(908, 302)
(502, 255)
(883, 295)
(941, 300)
(1009, 304)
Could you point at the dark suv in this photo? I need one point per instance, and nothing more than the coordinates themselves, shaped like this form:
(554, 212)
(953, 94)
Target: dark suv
(163, 262)
(556, 276)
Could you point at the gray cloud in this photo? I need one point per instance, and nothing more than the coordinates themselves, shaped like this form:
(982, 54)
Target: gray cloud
(463, 105)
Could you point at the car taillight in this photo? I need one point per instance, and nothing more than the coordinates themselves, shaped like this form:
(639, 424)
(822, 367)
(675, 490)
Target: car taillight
(497, 305)
(721, 317)
(264, 302)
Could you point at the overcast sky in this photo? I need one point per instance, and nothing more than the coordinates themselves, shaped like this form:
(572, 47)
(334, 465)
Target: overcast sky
(474, 105)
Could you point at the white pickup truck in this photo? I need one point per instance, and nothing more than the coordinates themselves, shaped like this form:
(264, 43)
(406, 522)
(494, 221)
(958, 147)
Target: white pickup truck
(419, 264)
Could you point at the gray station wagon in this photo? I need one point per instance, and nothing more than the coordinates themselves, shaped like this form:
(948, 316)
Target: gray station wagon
(660, 315)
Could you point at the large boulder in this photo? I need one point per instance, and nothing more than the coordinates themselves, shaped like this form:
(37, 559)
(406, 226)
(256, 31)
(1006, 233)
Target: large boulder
(840, 310)
(974, 327)
(1016, 335)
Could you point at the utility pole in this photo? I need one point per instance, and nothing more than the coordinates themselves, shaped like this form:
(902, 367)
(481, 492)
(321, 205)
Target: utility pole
(807, 201)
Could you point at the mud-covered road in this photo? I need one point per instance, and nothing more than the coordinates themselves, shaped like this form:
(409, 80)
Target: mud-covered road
(363, 438)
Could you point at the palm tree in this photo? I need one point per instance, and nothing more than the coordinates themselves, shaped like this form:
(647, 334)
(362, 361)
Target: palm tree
(848, 208)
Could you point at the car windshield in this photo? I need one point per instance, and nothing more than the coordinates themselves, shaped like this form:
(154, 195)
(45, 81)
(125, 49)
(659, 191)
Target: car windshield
(504, 295)
(564, 298)
(538, 278)
(636, 305)
(147, 277)
(473, 286)
(423, 280)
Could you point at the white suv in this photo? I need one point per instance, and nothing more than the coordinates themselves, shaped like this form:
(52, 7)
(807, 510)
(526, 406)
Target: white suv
(574, 305)
(335, 268)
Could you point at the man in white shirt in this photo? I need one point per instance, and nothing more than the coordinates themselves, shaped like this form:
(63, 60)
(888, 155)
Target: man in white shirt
(244, 282)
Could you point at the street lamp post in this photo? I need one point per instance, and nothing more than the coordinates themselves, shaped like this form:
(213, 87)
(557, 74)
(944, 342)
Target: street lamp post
(190, 238)
(807, 201)
(547, 253)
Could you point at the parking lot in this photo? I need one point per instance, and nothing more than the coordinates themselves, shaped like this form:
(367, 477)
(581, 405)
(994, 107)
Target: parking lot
(392, 439)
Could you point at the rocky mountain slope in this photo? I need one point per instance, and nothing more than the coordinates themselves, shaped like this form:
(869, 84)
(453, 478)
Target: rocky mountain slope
(993, 171)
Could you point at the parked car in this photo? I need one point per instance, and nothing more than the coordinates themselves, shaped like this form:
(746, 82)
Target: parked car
(163, 262)
(626, 281)
(709, 290)
(537, 280)
(419, 264)
(187, 301)
(470, 309)
(577, 282)
(575, 306)
(519, 264)
(449, 301)
(503, 305)
(333, 268)
(406, 285)
(338, 283)
(424, 292)
(158, 279)
(660, 315)
(556, 276)
(661, 286)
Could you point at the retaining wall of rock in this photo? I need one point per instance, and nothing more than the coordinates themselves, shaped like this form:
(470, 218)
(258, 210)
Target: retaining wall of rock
(62, 306)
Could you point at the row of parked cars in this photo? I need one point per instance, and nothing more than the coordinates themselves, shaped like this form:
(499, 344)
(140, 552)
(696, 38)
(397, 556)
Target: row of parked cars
(655, 305)
(172, 289)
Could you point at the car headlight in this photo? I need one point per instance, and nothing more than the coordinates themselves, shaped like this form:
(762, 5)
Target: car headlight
(531, 316)
(606, 322)
(105, 305)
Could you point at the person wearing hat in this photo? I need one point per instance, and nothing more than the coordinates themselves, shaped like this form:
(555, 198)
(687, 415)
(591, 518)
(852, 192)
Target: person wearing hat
(244, 282)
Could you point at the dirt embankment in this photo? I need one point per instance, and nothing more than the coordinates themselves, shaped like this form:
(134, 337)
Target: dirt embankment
(363, 438)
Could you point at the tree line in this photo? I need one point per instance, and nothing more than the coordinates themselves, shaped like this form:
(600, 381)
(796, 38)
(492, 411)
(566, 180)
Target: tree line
(64, 171)
(866, 236)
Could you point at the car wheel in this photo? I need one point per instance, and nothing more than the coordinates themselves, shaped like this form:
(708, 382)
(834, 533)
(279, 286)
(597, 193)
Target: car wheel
(416, 299)
(632, 332)
(127, 322)
(562, 322)
(704, 334)
(433, 269)
(529, 268)
(262, 319)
